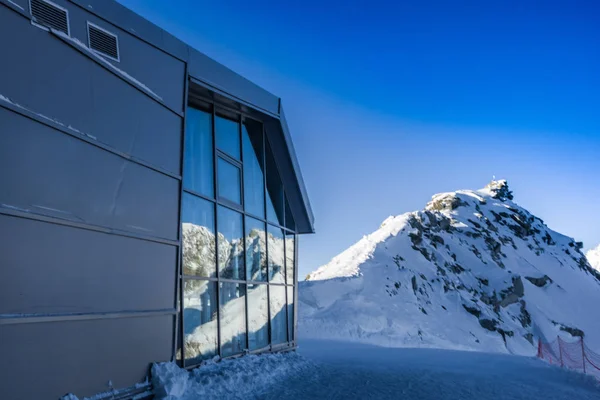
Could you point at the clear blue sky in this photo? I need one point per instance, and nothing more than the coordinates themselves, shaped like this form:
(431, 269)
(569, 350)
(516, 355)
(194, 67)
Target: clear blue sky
(390, 104)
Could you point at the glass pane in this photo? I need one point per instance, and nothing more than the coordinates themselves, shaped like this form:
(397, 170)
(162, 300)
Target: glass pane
(231, 246)
(256, 248)
(228, 136)
(290, 311)
(278, 314)
(200, 320)
(258, 317)
(254, 185)
(289, 218)
(274, 191)
(198, 236)
(233, 318)
(289, 258)
(276, 254)
(198, 152)
(229, 179)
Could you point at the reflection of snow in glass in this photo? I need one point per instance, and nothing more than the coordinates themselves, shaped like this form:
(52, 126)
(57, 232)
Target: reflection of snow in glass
(233, 318)
(258, 317)
(200, 301)
(200, 316)
(289, 258)
(276, 254)
(290, 312)
(278, 314)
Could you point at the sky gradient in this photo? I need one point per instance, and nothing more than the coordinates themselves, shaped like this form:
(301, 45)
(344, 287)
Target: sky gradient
(390, 104)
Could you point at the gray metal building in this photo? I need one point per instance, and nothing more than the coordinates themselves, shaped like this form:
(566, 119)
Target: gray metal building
(150, 202)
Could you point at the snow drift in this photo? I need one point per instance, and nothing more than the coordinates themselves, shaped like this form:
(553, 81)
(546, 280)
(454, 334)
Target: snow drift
(472, 271)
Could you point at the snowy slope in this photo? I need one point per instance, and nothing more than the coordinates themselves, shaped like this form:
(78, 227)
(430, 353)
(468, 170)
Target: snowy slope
(472, 271)
(593, 257)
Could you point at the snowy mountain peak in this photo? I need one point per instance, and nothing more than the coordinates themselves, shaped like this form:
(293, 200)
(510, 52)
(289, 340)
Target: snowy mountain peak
(499, 190)
(473, 270)
(593, 257)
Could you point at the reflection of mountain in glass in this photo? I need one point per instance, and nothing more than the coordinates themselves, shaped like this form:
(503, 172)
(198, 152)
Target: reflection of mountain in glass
(276, 255)
(199, 257)
(256, 255)
(200, 300)
(231, 258)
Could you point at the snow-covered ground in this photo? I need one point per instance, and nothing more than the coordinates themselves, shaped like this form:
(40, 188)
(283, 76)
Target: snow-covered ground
(337, 370)
(593, 257)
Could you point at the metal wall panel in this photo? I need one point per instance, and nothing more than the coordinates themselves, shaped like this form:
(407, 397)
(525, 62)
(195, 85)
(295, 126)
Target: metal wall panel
(80, 356)
(128, 20)
(49, 268)
(54, 79)
(165, 78)
(46, 171)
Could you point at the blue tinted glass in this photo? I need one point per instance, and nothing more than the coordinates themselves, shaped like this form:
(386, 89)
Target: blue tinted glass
(290, 311)
(229, 181)
(276, 254)
(274, 191)
(228, 136)
(254, 185)
(232, 304)
(256, 243)
(198, 236)
(231, 245)
(198, 152)
(278, 314)
(200, 320)
(258, 317)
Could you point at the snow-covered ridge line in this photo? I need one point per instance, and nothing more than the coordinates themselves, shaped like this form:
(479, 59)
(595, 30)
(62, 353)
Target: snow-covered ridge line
(473, 270)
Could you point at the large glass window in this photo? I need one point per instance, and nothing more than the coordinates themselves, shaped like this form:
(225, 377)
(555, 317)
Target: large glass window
(198, 152)
(289, 258)
(278, 314)
(290, 312)
(274, 190)
(228, 136)
(200, 320)
(231, 245)
(233, 318)
(258, 317)
(229, 181)
(256, 250)
(276, 254)
(254, 185)
(198, 236)
(238, 241)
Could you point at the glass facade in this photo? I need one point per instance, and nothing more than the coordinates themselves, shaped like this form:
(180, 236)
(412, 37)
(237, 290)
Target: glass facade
(238, 240)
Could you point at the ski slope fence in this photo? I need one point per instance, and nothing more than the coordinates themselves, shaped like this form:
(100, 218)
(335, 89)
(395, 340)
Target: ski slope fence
(572, 355)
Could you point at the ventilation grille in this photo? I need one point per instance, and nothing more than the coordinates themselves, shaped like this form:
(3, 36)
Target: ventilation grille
(103, 42)
(50, 15)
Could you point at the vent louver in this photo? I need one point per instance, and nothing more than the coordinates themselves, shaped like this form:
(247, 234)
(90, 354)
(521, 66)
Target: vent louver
(103, 42)
(48, 14)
